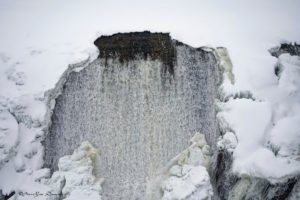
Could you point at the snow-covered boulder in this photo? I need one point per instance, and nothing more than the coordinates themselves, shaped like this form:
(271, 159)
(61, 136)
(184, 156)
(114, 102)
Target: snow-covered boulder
(227, 141)
(186, 176)
(190, 182)
(75, 179)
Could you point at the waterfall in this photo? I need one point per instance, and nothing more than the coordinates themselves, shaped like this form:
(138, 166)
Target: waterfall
(139, 111)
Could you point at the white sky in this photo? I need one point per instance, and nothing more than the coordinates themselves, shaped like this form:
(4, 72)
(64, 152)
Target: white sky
(195, 22)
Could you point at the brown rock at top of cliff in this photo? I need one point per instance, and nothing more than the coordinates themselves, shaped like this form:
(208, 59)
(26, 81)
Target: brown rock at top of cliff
(127, 46)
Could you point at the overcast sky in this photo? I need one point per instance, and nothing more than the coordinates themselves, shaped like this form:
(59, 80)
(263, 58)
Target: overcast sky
(193, 21)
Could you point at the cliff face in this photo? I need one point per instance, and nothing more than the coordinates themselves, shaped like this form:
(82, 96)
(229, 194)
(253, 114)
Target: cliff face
(139, 103)
(127, 46)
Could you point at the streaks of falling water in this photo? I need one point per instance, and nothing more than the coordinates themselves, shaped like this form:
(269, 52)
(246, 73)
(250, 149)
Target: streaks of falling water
(137, 115)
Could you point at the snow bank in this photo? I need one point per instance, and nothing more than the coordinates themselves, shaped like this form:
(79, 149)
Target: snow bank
(227, 141)
(74, 179)
(21, 151)
(187, 182)
(267, 127)
(188, 178)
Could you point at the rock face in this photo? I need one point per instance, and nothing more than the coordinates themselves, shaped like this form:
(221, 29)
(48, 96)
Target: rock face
(292, 49)
(139, 103)
(127, 46)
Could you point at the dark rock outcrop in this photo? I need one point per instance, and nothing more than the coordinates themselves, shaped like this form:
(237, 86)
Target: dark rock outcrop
(292, 49)
(221, 175)
(6, 197)
(129, 46)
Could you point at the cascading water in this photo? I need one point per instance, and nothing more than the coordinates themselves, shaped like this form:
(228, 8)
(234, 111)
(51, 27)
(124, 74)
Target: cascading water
(139, 103)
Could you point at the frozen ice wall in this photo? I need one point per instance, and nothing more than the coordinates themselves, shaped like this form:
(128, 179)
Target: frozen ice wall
(138, 111)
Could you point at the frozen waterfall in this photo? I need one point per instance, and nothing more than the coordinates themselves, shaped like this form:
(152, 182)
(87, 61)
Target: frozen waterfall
(139, 110)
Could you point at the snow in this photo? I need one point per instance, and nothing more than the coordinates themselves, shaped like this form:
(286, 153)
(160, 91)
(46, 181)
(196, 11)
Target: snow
(21, 122)
(267, 129)
(40, 39)
(8, 135)
(73, 181)
(181, 187)
(227, 141)
(286, 131)
(76, 172)
(186, 176)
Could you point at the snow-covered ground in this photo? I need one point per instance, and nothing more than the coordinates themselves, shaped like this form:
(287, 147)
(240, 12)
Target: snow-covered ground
(39, 39)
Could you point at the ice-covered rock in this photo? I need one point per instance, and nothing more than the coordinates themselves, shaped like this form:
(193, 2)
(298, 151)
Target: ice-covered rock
(285, 48)
(186, 176)
(192, 184)
(227, 141)
(75, 178)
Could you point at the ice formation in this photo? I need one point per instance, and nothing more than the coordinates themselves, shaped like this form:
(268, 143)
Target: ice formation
(74, 180)
(75, 177)
(185, 177)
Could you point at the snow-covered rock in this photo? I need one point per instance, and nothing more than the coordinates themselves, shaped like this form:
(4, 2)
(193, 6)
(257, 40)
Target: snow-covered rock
(191, 183)
(186, 176)
(267, 129)
(261, 130)
(75, 179)
(227, 141)
(8, 136)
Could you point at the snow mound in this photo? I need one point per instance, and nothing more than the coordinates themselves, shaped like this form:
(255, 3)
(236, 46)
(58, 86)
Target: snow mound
(74, 179)
(227, 141)
(186, 176)
(266, 127)
(188, 182)
(21, 120)
(285, 133)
